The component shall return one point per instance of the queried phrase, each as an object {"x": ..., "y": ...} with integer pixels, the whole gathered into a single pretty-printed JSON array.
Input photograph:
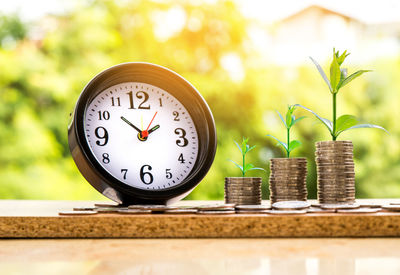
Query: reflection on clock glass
[{"x": 141, "y": 135}]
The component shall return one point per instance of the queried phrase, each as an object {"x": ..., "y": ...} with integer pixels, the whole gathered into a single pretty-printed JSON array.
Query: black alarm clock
[{"x": 141, "y": 134}]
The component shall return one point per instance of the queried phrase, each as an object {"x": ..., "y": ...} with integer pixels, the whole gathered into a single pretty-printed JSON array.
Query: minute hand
[{"x": 130, "y": 124}]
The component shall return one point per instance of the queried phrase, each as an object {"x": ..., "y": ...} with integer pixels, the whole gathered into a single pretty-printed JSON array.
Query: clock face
[{"x": 141, "y": 135}]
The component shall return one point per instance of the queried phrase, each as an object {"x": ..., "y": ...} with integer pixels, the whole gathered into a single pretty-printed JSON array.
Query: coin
[
  {"x": 359, "y": 210},
  {"x": 340, "y": 206},
  {"x": 107, "y": 209},
  {"x": 286, "y": 212},
  {"x": 76, "y": 213},
  {"x": 154, "y": 207},
  {"x": 319, "y": 210},
  {"x": 84, "y": 208},
  {"x": 370, "y": 205},
  {"x": 252, "y": 211},
  {"x": 391, "y": 207},
  {"x": 181, "y": 211},
  {"x": 253, "y": 207},
  {"x": 210, "y": 212},
  {"x": 134, "y": 211},
  {"x": 228, "y": 206},
  {"x": 291, "y": 205}
]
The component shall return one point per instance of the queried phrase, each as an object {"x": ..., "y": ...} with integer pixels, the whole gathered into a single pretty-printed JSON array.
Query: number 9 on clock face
[{"x": 142, "y": 135}]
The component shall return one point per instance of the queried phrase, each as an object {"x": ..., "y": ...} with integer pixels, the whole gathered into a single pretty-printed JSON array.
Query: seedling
[
  {"x": 289, "y": 122},
  {"x": 244, "y": 149},
  {"x": 339, "y": 79}
]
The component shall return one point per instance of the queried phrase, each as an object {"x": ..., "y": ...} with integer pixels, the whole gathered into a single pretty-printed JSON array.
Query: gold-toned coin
[
  {"x": 134, "y": 211},
  {"x": 361, "y": 210},
  {"x": 77, "y": 213}
]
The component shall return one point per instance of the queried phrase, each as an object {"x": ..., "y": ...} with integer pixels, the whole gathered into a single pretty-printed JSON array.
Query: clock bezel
[{"x": 178, "y": 87}]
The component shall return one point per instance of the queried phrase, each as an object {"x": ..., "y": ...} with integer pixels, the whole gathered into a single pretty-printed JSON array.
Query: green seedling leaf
[
  {"x": 351, "y": 77},
  {"x": 248, "y": 167},
  {"x": 341, "y": 58},
  {"x": 293, "y": 145},
  {"x": 325, "y": 121},
  {"x": 284, "y": 145},
  {"x": 251, "y": 148},
  {"x": 343, "y": 75},
  {"x": 367, "y": 126},
  {"x": 335, "y": 74},
  {"x": 345, "y": 122},
  {"x": 238, "y": 146},
  {"x": 284, "y": 122},
  {"x": 237, "y": 165},
  {"x": 289, "y": 116},
  {"x": 256, "y": 168},
  {"x": 244, "y": 145},
  {"x": 297, "y": 120},
  {"x": 322, "y": 73},
  {"x": 288, "y": 119}
]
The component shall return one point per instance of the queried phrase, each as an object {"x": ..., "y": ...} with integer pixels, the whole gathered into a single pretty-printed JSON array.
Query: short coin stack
[
  {"x": 335, "y": 168},
  {"x": 242, "y": 191},
  {"x": 287, "y": 181}
]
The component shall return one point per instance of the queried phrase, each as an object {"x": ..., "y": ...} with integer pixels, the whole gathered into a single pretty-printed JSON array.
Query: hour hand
[
  {"x": 130, "y": 124},
  {"x": 153, "y": 129}
]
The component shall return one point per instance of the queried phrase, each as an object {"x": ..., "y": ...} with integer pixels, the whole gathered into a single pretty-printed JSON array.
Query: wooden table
[{"x": 40, "y": 219}]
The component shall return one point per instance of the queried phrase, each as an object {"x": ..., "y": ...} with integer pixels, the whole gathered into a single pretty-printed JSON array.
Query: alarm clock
[{"x": 141, "y": 134}]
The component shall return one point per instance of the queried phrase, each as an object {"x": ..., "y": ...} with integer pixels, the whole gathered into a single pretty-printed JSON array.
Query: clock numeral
[
  {"x": 123, "y": 172},
  {"x": 160, "y": 101},
  {"x": 176, "y": 114},
  {"x": 101, "y": 135},
  {"x": 116, "y": 102},
  {"x": 182, "y": 141},
  {"x": 168, "y": 173},
  {"x": 148, "y": 174},
  {"x": 104, "y": 115},
  {"x": 106, "y": 158},
  {"x": 139, "y": 95},
  {"x": 181, "y": 159}
]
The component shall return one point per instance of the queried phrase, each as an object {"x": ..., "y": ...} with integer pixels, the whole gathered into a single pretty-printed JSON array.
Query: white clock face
[{"x": 141, "y": 135}]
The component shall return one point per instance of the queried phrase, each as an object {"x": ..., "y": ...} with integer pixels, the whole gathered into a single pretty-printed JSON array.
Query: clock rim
[{"x": 163, "y": 78}]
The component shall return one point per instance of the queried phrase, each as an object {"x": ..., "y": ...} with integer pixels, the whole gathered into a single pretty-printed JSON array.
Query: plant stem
[
  {"x": 288, "y": 141},
  {"x": 243, "y": 172},
  {"x": 334, "y": 117}
]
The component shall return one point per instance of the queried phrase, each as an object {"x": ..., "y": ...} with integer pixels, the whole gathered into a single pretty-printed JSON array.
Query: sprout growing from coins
[
  {"x": 339, "y": 79},
  {"x": 244, "y": 149},
  {"x": 289, "y": 121}
]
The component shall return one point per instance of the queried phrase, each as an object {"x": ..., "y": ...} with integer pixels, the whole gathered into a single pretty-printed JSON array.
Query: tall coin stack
[
  {"x": 287, "y": 181},
  {"x": 335, "y": 168},
  {"x": 243, "y": 191}
]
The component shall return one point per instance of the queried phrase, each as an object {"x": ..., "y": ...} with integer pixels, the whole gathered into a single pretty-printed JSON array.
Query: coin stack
[
  {"x": 335, "y": 168},
  {"x": 243, "y": 191},
  {"x": 287, "y": 181}
]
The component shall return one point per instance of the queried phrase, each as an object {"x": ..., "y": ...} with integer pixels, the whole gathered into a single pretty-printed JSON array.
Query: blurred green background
[{"x": 246, "y": 64}]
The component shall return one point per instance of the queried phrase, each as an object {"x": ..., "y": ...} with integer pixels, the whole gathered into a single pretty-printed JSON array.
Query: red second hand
[{"x": 145, "y": 133}]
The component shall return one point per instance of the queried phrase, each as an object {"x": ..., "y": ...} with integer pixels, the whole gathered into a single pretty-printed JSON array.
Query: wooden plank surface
[{"x": 40, "y": 219}]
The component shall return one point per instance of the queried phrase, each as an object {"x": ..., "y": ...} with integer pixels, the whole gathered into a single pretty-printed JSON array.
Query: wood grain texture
[{"x": 40, "y": 219}]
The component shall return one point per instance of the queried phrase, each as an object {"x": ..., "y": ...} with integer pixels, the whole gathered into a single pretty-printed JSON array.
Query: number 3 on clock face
[{"x": 141, "y": 135}]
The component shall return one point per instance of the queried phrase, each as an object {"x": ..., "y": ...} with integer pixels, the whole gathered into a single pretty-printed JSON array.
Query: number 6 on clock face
[{"x": 142, "y": 135}]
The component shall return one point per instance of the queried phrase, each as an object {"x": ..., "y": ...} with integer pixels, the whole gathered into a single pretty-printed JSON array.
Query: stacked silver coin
[
  {"x": 243, "y": 191},
  {"x": 287, "y": 181},
  {"x": 335, "y": 168}
]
